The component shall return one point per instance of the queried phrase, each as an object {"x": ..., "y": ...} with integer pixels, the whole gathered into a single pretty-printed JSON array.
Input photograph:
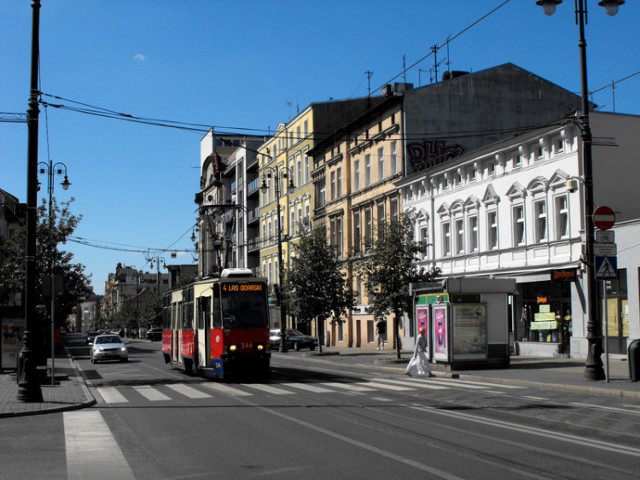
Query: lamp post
[
  {"x": 51, "y": 169},
  {"x": 27, "y": 374},
  {"x": 593, "y": 366},
  {"x": 278, "y": 173}
]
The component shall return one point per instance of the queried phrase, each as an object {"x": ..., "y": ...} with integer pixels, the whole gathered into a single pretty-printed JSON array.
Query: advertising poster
[
  {"x": 11, "y": 342},
  {"x": 469, "y": 322},
  {"x": 422, "y": 321},
  {"x": 440, "y": 333}
]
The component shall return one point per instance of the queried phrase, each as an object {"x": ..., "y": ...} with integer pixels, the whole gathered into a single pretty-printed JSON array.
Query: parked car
[
  {"x": 109, "y": 347},
  {"x": 91, "y": 336},
  {"x": 294, "y": 338},
  {"x": 155, "y": 334}
]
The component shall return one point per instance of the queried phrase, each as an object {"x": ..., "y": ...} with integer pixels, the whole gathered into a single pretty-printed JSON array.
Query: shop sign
[
  {"x": 544, "y": 317},
  {"x": 564, "y": 275},
  {"x": 544, "y": 325},
  {"x": 542, "y": 299}
]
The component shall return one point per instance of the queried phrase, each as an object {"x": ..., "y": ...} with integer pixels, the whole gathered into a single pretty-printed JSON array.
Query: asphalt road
[{"x": 318, "y": 420}]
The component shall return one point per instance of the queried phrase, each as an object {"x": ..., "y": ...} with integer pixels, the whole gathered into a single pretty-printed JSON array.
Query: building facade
[
  {"x": 507, "y": 210},
  {"x": 413, "y": 131}
]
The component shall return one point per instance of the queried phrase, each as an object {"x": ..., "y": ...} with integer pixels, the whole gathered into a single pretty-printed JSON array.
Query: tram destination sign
[{"x": 249, "y": 287}]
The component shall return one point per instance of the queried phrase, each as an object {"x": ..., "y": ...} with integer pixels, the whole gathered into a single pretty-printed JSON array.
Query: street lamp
[
  {"x": 52, "y": 169},
  {"x": 593, "y": 366},
  {"x": 278, "y": 173}
]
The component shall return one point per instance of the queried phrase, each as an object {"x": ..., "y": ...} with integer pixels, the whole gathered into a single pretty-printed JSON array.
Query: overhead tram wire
[
  {"x": 202, "y": 128},
  {"x": 108, "y": 113}
]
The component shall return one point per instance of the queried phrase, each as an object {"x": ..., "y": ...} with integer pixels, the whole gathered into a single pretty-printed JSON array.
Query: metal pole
[
  {"x": 605, "y": 313},
  {"x": 593, "y": 366},
  {"x": 27, "y": 375},
  {"x": 283, "y": 308},
  {"x": 51, "y": 275}
]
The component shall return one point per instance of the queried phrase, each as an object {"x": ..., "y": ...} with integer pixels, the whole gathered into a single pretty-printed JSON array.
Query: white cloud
[{"x": 139, "y": 57}]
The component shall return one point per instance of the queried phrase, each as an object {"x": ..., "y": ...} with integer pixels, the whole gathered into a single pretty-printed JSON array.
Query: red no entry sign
[{"x": 604, "y": 218}]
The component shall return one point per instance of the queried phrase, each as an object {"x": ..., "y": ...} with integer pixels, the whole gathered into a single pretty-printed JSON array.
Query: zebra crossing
[{"x": 180, "y": 391}]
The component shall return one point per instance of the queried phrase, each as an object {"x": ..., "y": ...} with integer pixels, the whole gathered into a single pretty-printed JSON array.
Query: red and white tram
[{"x": 218, "y": 324}]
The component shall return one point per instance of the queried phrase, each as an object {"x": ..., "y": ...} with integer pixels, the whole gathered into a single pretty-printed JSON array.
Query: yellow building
[
  {"x": 287, "y": 190},
  {"x": 354, "y": 171}
]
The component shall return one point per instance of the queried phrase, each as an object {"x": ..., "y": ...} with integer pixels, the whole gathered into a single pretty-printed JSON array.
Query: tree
[
  {"x": 390, "y": 268},
  {"x": 50, "y": 234},
  {"x": 316, "y": 287}
]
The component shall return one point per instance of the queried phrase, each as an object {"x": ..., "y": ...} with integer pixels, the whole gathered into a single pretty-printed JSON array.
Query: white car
[{"x": 109, "y": 347}]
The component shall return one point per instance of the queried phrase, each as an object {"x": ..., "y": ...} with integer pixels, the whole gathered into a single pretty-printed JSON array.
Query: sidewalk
[
  {"x": 567, "y": 374},
  {"x": 70, "y": 391}
]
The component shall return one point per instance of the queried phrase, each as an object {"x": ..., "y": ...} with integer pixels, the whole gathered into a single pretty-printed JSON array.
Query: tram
[{"x": 217, "y": 325}]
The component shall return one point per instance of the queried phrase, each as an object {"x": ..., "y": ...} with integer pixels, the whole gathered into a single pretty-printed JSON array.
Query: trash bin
[{"x": 634, "y": 360}]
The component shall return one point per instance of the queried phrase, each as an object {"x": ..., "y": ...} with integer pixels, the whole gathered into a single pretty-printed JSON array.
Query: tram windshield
[{"x": 244, "y": 305}]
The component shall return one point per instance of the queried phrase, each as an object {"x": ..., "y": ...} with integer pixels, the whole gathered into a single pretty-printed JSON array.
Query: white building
[{"x": 505, "y": 211}]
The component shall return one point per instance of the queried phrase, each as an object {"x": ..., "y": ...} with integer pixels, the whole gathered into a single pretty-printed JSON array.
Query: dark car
[
  {"x": 295, "y": 340},
  {"x": 91, "y": 336},
  {"x": 155, "y": 334}
]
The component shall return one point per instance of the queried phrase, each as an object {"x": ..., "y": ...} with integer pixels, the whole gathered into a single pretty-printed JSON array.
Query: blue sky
[{"x": 248, "y": 64}]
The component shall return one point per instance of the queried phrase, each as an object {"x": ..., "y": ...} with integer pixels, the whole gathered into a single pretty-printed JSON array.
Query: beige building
[
  {"x": 287, "y": 190},
  {"x": 353, "y": 174}
]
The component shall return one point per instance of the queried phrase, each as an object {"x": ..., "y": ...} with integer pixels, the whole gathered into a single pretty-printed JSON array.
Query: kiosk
[{"x": 466, "y": 321}]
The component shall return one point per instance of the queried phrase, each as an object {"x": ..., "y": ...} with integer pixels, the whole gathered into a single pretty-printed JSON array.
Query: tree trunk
[{"x": 396, "y": 333}]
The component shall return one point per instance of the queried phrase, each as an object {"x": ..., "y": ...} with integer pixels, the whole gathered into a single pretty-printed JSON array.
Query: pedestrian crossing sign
[{"x": 606, "y": 268}]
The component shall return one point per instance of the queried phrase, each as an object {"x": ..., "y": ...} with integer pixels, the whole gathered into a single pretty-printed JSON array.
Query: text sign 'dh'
[{"x": 604, "y": 218}]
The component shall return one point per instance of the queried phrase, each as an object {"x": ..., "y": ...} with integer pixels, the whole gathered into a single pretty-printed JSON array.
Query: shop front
[{"x": 544, "y": 328}]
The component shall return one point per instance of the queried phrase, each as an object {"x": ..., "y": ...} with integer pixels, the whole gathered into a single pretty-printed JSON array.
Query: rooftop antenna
[
  {"x": 404, "y": 68},
  {"x": 369, "y": 75},
  {"x": 434, "y": 49}
]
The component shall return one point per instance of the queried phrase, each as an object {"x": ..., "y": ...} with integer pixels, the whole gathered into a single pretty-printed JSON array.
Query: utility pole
[{"x": 27, "y": 375}]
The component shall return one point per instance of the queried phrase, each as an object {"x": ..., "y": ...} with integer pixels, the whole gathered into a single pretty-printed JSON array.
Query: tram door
[
  {"x": 176, "y": 322},
  {"x": 204, "y": 324}
]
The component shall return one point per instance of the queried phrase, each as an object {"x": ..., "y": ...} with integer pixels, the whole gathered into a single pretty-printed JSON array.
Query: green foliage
[
  {"x": 316, "y": 286},
  {"x": 390, "y": 268},
  {"x": 51, "y": 233}
]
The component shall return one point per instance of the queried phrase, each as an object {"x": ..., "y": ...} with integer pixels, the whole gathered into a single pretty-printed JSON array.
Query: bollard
[{"x": 634, "y": 360}]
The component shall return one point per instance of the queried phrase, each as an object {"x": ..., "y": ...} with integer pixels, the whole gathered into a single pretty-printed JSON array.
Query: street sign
[
  {"x": 605, "y": 236},
  {"x": 604, "y": 218},
  {"x": 606, "y": 268},
  {"x": 605, "y": 249}
]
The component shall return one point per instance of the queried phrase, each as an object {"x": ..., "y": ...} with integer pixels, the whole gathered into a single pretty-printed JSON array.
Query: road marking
[
  {"x": 188, "y": 391},
  {"x": 541, "y": 432},
  {"x": 462, "y": 384},
  {"x": 227, "y": 390},
  {"x": 268, "y": 389},
  {"x": 308, "y": 387},
  {"x": 476, "y": 384},
  {"x": 91, "y": 450},
  {"x": 379, "y": 452},
  {"x": 609, "y": 409},
  {"x": 111, "y": 395},
  {"x": 151, "y": 393},
  {"x": 395, "y": 388},
  {"x": 349, "y": 386},
  {"x": 415, "y": 384}
]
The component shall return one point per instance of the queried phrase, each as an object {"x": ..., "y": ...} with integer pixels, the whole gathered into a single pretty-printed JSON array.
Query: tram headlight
[
  {"x": 233, "y": 348},
  {"x": 259, "y": 347}
]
